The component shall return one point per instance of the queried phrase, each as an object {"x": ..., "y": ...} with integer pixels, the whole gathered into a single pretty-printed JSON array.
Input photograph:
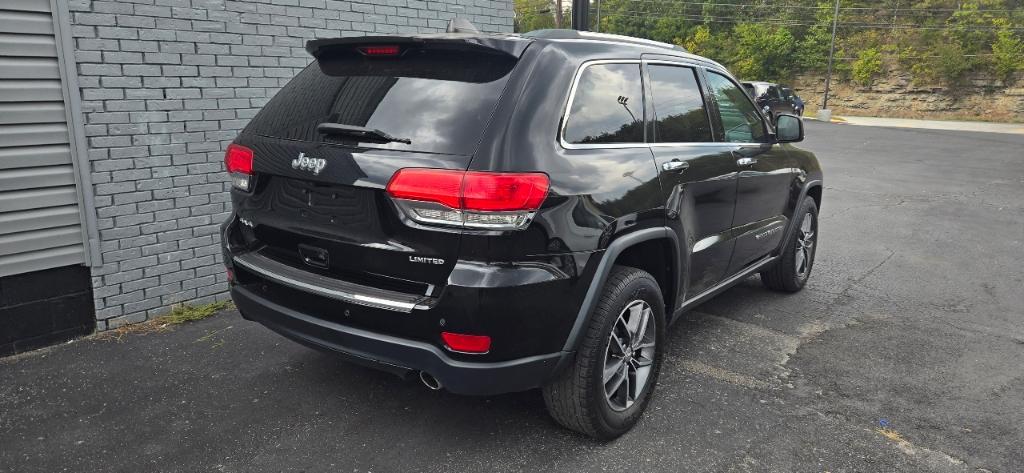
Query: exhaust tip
[{"x": 430, "y": 381}]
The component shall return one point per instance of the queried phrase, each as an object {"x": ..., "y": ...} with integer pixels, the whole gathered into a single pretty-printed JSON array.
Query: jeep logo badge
[{"x": 306, "y": 163}]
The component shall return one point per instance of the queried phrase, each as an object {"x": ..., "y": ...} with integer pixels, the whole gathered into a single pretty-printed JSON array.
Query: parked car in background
[
  {"x": 774, "y": 98},
  {"x": 496, "y": 213},
  {"x": 798, "y": 103}
]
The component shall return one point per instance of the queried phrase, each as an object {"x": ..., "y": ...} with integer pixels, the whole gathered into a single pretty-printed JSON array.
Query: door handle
[
  {"x": 746, "y": 161},
  {"x": 675, "y": 165}
]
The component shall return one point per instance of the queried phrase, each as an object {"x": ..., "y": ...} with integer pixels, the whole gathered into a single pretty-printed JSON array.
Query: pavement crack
[{"x": 873, "y": 269}]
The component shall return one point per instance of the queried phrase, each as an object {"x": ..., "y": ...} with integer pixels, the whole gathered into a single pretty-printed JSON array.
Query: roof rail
[{"x": 574, "y": 34}]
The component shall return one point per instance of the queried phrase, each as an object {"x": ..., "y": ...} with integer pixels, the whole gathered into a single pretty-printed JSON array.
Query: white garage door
[{"x": 40, "y": 203}]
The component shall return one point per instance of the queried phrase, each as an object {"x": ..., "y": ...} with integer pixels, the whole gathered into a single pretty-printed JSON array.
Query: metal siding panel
[
  {"x": 28, "y": 68},
  {"x": 39, "y": 260},
  {"x": 25, "y": 221},
  {"x": 25, "y": 22},
  {"x": 30, "y": 91},
  {"x": 27, "y": 5},
  {"x": 28, "y": 45},
  {"x": 35, "y": 178},
  {"x": 26, "y": 242},
  {"x": 31, "y": 135},
  {"x": 40, "y": 217},
  {"x": 31, "y": 112},
  {"x": 38, "y": 198},
  {"x": 33, "y": 156}
]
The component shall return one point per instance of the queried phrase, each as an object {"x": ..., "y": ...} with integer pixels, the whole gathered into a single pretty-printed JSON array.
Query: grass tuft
[
  {"x": 181, "y": 313},
  {"x": 187, "y": 313}
]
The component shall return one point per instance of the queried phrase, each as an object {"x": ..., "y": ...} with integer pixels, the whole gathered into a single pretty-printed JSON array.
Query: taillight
[
  {"x": 472, "y": 199},
  {"x": 384, "y": 50},
  {"x": 238, "y": 162},
  {"x": 463, "y": 343}
]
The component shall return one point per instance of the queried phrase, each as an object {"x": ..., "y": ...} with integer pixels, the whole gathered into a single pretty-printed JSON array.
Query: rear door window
[
  {"x": 608, "y": 106},
  {"x": 680, "y": 115},
  {"x": 440, "y": 101}
]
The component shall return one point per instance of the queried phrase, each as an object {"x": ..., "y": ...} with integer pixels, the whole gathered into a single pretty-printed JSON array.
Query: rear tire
[
  {"x": 791, "y": 272},
  {"x": 594, "y": 395}
]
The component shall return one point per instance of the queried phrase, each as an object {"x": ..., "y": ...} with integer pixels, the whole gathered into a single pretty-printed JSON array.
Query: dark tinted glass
[
  {"x": 439, "y": 100},
  {"x": 608, "y": 106},
  {"x": 680, "y": 116},
  {"x": 740, "y": 121}
]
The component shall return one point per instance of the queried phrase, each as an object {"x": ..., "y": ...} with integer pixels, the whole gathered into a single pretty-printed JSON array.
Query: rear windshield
[{"x": 437, "y": 101}]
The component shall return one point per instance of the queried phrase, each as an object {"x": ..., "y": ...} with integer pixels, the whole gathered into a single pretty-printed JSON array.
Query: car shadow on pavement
[{"x": 694, "y": 348}]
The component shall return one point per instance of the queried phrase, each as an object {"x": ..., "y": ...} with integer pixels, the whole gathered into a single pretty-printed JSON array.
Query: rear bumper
[{"x": 399, "y": 355}]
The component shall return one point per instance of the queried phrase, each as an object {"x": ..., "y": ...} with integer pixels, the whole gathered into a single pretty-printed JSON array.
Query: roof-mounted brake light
[{"x": 380, "y": 50}]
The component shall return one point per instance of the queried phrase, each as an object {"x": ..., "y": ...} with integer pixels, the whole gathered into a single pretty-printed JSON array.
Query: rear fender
[
  {"x": 604, "y": 268},
  {"x": 791, "y": 226}
]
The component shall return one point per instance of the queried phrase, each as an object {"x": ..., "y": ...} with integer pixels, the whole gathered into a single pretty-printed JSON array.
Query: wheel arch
[
  {"x": 814, "y": 191},
  {"x": 811, "y": 189},
  {"x": 640, "y": 249}
]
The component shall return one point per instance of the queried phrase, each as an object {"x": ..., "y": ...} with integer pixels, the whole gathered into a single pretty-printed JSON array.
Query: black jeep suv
[{"x": 495, "y": 213}]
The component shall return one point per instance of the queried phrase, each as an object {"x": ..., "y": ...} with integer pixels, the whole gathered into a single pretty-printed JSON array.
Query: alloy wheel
[
  {"x": 629, "y": 356},
  {"x": 805, "y": 245}
]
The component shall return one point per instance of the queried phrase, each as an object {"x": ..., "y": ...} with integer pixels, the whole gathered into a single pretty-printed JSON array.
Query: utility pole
[
  {"x": 558, "y": 13},
  {"x": 825, "y": 114},
  {"x": 581, "y": 15},
  {"x": 895, "y": 12}
]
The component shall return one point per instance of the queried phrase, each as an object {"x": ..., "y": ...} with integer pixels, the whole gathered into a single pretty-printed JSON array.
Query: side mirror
[{"x": 789, "y": 128}]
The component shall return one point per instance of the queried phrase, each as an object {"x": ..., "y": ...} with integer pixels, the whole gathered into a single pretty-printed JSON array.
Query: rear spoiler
[{"x": 509, "y": 45}]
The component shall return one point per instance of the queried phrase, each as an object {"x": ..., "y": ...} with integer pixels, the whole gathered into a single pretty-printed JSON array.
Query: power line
[
  {"x": 697, "y": 18},
  {"x": 822, "y": 7}
]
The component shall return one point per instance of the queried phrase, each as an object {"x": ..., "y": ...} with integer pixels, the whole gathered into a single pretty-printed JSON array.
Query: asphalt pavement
[{"x": 904, "y": 353}]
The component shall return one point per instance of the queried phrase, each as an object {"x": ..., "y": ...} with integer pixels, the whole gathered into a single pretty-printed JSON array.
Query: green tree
[
  {"x": 867, "y": 66},
  {"x": 533, "y": 15},
  {"x": 703, "y": 42},
  {"x": 944, "y": 63},
  {"x": 762, "y": 52},
  {"x": 1007, "y": 54},
  {"x": 670, "y": 30},
  {"x": 812, "y": 50}
]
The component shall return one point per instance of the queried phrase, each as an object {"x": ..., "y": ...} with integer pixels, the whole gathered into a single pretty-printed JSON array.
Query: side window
[
  {"x": 740, "y": 121},
  {"x": 608, "y": 106},
  {"x": 678, "y": 106}
]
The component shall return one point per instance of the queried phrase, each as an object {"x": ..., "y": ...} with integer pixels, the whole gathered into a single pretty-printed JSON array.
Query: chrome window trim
[
  {"x": 769, "y": 130},
  {"x": 707, "y": 111},
  {"x": 572, "y": 96},
  {"x": 642, "y": 62}
]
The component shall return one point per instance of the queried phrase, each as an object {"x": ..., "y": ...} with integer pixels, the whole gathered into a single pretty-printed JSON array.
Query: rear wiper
[{"x": 371, "y": 134}]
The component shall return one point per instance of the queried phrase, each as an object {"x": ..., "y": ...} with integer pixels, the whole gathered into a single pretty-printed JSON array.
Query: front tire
[
  {"x": 609, "y": 383},
  {"x": 791, "y": 272}
]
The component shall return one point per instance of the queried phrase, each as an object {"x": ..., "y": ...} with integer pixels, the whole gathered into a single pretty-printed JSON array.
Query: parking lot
[{"x": 905, "y": 353}]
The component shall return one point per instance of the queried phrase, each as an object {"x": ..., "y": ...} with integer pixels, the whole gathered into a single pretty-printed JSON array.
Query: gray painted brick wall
[{"x": 166, "y": 85}]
